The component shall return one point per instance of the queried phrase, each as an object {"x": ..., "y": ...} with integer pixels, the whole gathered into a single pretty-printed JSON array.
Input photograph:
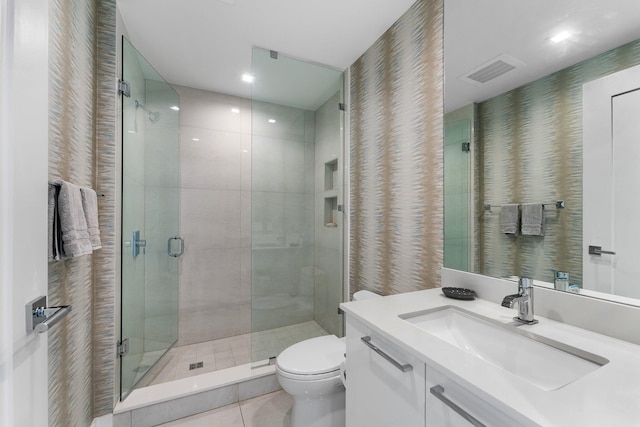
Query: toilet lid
[{"x": 313, "y": 356}]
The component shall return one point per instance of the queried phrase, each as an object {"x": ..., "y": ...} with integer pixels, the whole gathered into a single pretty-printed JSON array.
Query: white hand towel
[
  {"x": 73, "y": 224},
  {"x": 90, "y": 207},
  {"x": 533, "y": 219},
  {"x": 510, "y": 219}
]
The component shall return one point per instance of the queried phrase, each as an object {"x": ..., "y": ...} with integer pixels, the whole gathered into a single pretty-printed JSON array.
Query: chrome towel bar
[
  {"x": 558, "y": 204},
  {"x": 40, "y": 318}
]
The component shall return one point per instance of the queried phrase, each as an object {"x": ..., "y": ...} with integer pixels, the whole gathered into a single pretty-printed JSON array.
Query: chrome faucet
[{"x": 524, "y": 301}]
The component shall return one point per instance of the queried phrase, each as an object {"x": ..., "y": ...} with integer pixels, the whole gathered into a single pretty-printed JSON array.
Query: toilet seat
[
  {"x": 307, "y": 377},
  {"x": 312, "y": 359}
]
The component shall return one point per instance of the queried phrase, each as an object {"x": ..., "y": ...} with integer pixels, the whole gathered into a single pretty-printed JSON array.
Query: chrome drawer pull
[
  {"x": 438, "y": 391},
  {"x": 404, "y": 368}
]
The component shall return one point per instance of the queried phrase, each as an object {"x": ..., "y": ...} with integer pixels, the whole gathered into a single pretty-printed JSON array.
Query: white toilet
[{"x": 310, "y": 372}]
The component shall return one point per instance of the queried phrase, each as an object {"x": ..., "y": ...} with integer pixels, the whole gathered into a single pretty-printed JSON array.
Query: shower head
[{"x": 153, "y": 116}]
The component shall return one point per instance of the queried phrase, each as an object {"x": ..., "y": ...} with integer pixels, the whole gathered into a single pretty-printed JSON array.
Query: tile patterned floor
[
  {"x": 233, "y": 351},
  {"x": 270, "y": 343},
  {"x": 270, "y": 410}
]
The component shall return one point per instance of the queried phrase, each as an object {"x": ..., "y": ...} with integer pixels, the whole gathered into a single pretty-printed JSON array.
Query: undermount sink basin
[{"x": 543, "y": 362}]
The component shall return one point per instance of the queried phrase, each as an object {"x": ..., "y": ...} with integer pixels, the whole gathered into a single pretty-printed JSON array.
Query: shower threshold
[
  {"x": 178, "y": 391},
  {"x": 169, "y": 401}
]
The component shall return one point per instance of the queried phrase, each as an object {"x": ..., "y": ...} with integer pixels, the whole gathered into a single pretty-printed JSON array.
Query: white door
[
  {"x": 23, "y": 208},
  {"x": 611, "y": 176}
]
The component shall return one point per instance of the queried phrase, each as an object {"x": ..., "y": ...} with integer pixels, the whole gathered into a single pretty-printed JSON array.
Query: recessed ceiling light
[
  {"x": 563, "y": 35},
  {"x": 175, "y": 108},
  {"x": 248, "y": 78},
  {"x": 272, "y": 120},
  {"x": 235, "y": 110},
  {"x": 245, "y": 151},
  {"x": 195, "y": 139}
]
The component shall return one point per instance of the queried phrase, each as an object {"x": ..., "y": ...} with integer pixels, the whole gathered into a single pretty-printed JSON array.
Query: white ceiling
[{"x": 207, "y": 44}]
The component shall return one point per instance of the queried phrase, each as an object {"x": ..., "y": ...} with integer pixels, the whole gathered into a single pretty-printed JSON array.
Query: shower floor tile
[{"x": 233, "y": 351}]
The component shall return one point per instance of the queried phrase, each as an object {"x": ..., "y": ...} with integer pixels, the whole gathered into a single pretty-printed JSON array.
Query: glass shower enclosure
[
  {"x": 238, "y": 301},
  {"x": 150, "y": 218},
  {"x": 296, "y": 202}
]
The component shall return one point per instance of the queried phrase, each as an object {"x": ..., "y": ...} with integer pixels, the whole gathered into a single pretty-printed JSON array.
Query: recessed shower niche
[
  {"x": 331, "y": 184},
  {"x": 331, "y": 175}
]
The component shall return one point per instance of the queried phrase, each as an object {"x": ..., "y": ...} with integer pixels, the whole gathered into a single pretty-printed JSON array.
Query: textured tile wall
[
  {"x": 396, "y": 201},
  {"x": 530, "y": 150},
  {"x": 72, "y": 158},
  {"x": 79, "y": 139}
]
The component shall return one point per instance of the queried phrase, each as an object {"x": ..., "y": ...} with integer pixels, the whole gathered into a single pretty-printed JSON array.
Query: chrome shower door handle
[
  {"x": 136, "y": 244},
  {"x": 170, "y": 246}
]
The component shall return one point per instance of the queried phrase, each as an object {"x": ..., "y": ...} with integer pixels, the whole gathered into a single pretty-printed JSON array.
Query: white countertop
[{"x": 608, "y": 396}]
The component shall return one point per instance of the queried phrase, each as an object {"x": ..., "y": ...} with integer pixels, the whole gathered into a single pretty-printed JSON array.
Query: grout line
[{"x": 244, "y": 423}]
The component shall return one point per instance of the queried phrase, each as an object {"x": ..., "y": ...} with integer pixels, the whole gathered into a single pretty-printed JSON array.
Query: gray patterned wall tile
[
  {"x": 81, "y": 150},
  {"x": 396, "y": 202}
]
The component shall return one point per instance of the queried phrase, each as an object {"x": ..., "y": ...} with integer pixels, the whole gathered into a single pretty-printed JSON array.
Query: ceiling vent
[{"x": 490, "y": 70}]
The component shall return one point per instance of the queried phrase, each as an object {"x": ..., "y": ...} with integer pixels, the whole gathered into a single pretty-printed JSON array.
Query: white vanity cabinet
[
  {"x": 387, "y": 386},
  {"x": 470, "y": 364},
  {"x": 382, "y": 390}
]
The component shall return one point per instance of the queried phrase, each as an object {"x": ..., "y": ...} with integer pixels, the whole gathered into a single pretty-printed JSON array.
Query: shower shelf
[
  {"x": 331, "y": 213},
  {"x": 331, "y": 175}
]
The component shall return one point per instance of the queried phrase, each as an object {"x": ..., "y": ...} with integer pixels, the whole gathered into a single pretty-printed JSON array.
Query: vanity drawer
[{"x": 451, "y": 405}]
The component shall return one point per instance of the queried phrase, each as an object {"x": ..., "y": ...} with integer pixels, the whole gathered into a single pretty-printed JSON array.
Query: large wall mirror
[{"x": 514, "y": 76}]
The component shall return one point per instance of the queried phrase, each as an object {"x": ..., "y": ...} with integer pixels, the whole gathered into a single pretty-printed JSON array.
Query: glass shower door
[
  {"x": 150, "y": 218},
  {"x": 457, "y": 190},
  {"x": 296, "y": 203}
]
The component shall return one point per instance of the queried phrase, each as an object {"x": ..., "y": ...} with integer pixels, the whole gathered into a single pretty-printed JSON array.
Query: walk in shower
[{"x": 239, "y": 252}]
